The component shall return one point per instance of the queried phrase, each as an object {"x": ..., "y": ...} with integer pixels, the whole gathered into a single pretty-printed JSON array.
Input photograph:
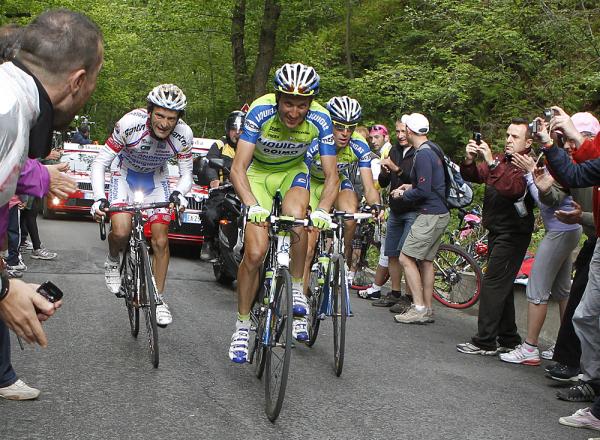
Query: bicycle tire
[
  {"x": 458, "y": 277},
  {"x": 256, "y": 351},
  {"x": 128, "y": 285},
  {"x": 148, "y": 303},
  {"x": 279, "y": 349},
  {"x": 339, "y": 311},
  {"x": 314, "y": 302}
]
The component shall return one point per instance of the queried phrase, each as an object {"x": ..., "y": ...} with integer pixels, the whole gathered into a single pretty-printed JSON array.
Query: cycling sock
[{"x": 297, "y": 284}]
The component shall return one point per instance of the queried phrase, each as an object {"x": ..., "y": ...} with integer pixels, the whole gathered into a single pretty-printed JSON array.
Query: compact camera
[
  {"x": 477, "y": 137},
  {"x": 534, "y": 127},
  {"x": 521, "y": 208},
  {"x": 50, "y": 291}
]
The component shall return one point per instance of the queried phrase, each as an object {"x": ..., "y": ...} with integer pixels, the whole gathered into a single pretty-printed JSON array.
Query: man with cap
[{"x": 427, "y": 191}]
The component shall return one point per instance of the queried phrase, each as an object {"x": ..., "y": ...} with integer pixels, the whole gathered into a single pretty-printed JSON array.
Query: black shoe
[
  {"x": 582, "y": 392},
  {"x": 563, "y": 373},
  {"x": 387, "y": 301},
  {"x": 402, "y": 305}
]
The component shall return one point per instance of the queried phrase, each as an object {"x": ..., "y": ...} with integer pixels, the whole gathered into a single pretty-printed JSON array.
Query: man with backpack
[
  {"x": 508, "y": 216},
  {"x": 427, "y": 191}
]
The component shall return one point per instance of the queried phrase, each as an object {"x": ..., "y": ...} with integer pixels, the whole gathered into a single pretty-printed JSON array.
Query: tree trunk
[
  {"x": 240, "y": 67},
  {"x": 266, "y": 46},
  {"x": 347, "y": 42}
]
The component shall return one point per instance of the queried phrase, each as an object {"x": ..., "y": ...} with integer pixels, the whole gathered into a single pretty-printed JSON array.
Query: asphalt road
[{"x": 399, "y": 381}]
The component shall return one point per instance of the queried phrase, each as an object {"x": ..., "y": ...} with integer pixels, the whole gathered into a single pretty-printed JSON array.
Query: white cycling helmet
[
  {"x": 168, "y": 96},
  {"x": 296, "y": 79},
  {"x": 344, "y": 109}
]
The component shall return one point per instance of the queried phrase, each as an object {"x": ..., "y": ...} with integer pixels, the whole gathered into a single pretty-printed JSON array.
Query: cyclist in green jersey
[
  {"x": 270, "y": 153},
  {"x": 351, "y": 147}
]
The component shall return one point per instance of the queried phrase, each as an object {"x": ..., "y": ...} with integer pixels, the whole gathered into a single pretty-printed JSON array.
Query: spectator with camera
[
  {"x": 567, "y": 350},
  {"x": 586, "y": 319},
  {"x": 427, "y": 191},
  {"x": 39, "y": 74},
  {"x": 508, "y": 216}
]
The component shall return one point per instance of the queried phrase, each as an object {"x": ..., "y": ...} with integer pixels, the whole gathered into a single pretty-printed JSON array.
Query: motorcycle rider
[{"x": 223, "y": 148}]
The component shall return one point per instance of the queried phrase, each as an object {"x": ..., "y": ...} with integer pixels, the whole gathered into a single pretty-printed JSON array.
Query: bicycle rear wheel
[
  {"x": 129, "y": 288},
  {"x": 339, "y": 311},
  {"x": 279, "y": 348},
  {"x": 457, "y": 277},
  {"x": 148, "y": 302}
]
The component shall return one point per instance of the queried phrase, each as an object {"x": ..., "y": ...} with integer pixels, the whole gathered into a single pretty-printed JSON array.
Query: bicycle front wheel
[
  {"x": 148, "y": 302},
  {"x": 339, "y": 288},
  {"x": 315, "y": 290},
  {"x": 457, "y": 277},
  {"x": 129, "y": 288},
  {"x": 279, "y": 348},
  {"x": 256, "y": 350}
]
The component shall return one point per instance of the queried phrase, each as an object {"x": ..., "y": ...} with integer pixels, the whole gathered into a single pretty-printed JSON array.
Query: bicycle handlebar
[{"x": 137, "y": 207}]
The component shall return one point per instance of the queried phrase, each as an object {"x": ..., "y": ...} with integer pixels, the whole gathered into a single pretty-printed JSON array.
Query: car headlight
[{"x": 55, "y": 201}]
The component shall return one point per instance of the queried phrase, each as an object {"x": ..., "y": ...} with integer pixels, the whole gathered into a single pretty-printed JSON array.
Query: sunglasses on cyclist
[{"x": 341, "y": 127}]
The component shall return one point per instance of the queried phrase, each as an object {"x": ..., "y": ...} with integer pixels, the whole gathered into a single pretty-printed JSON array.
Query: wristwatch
[
  {"x": 4, "y": 285},
  {"x": 494, "y": 164}
]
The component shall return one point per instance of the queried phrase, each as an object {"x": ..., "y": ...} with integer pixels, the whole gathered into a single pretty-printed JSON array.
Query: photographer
[{"x": 508, "y": 216}]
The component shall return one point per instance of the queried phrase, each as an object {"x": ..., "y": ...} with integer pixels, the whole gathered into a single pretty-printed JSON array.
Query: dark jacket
[
  {"x": 580, "y": 175},
  {"x": 398, "y": 205},
  {"x": 504, "y": 185},
  {"x": 428, "y": 181},
  {"x": 219, "y": 150}
]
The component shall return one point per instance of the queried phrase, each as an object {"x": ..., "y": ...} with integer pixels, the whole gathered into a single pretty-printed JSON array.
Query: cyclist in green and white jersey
[
  {"x": 270, "y": 153},
  {"x": 351, "y": 147}
]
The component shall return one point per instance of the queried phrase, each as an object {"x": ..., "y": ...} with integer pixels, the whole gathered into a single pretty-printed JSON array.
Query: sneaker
[
  {"x": 300, "y": 306},
  {"x": 401, "y": 306},
  {"x": 163, "y": 315},
  {"x": 469, "y": 348},
  {"x": 412, "y": 316},
  {"x": 112, "y": 277},
  {"x": 26, "y": 246},
  {"x": 238, "y": 350},
  {"x": 387, "y": 301},
  {"x": 521, "y": 355},
  {"x": 582, "y": 392},
  {"x": 430, "y": 315},
  {"x": 43, "y": 254},
  {"x": 549, "y": 353},
  {"x": 20, "y": 266},
  {"x": 299, "y": 331},
  {"x": 369, "y": 293},
  {"x": 19, "y": 391},
  {"x": 563, "y": 373},
  {"x": 583, "y": 418},
  {"x": 12, "y": 273}
]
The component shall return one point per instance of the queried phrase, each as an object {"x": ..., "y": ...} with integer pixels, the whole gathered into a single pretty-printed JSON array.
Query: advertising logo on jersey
[
  {"x": 328, "y": 140},
  {"x": 320, "y": 119},
  {"x": 281, "y": 148},
  {"x": 251, "y": 126}
]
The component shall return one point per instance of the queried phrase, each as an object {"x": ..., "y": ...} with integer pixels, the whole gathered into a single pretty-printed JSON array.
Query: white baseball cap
[
  {"x": 416, "y": 122},
  {"x": 586, "y": 122}
]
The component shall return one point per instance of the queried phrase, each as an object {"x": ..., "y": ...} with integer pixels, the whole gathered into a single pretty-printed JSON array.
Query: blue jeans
[
  {"x": 398, "y": 227},
  {"x": 7, "y": 374}
]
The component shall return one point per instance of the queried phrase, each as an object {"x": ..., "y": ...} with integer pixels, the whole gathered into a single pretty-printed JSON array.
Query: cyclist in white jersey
[{"x": 142, "y": 142}]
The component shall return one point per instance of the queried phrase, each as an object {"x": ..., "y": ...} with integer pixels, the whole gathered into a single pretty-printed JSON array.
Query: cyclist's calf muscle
[{"x": 119, "y": 233}]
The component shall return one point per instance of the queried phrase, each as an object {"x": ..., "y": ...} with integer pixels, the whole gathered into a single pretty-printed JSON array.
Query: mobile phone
[
  {"x": 50, "y": 291},
  {"x": 477, "y": 137}
]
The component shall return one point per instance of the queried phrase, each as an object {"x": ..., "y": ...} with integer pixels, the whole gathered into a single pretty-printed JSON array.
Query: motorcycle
[{"x": 227, "y": 244}]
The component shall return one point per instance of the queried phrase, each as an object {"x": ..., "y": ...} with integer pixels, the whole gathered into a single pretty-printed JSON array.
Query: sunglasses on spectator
[{"x": 341, "y": 127}]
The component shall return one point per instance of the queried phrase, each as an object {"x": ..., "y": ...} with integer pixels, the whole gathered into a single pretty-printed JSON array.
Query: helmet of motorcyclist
[{"x": 235, "y": 121}]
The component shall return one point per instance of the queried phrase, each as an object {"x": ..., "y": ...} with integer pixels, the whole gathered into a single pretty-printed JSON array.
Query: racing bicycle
[
  {"x": 328, "y": 288},
  {"x": 138, "y": 286},
  {"x": 272, "y": 313}
]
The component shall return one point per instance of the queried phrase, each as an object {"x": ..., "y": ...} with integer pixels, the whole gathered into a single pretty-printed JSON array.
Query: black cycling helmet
[{"x": 235, "y": 121}]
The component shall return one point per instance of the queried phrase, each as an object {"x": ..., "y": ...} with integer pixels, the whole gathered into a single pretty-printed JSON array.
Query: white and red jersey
[{"x": 137, "y": 150}]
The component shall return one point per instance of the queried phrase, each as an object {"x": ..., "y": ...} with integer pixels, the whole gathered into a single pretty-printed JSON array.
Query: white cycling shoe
[
  {"x": 238, "y": 350},
  {"x": 300, "y": 304},
  {"x": 300, "y": 330},
  {"x": 163, "y": 314},
  {"x": 112, "y": 277}
]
